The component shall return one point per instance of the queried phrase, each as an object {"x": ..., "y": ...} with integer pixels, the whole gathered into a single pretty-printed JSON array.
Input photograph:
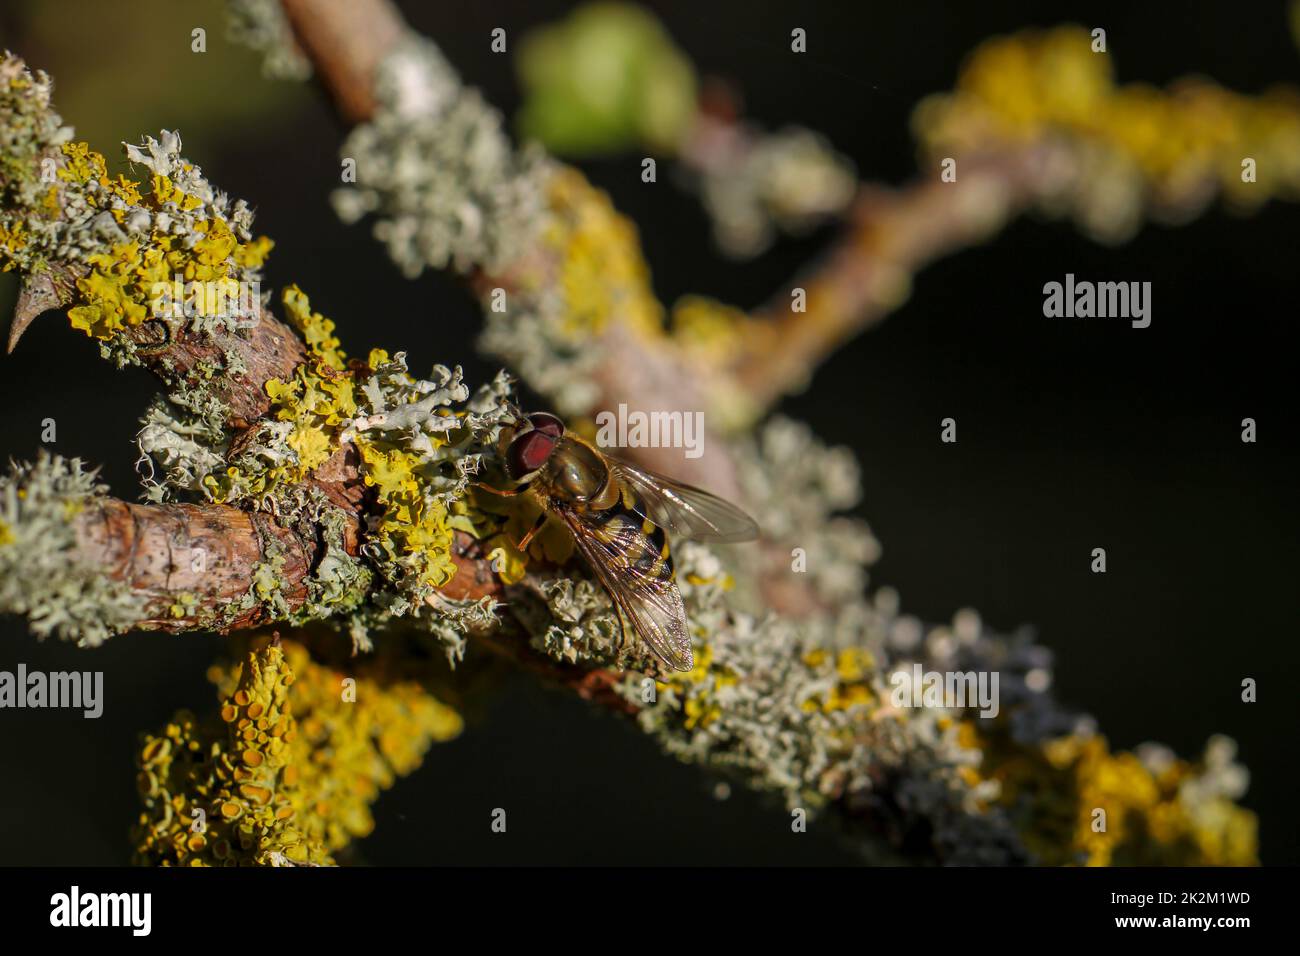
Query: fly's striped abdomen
[{"x": 641, "y": 545}]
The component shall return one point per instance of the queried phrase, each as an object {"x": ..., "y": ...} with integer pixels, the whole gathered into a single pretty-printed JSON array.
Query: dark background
[{"x": 1072, "y": 435}]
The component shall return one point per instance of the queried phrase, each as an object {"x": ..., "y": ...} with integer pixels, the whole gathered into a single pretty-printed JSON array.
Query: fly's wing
[
  {"x": 650, "y": 601},
  {"x": 684, "y": 511}
]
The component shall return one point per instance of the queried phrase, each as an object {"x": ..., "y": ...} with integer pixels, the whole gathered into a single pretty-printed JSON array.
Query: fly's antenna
[{"x": 517, "y": 412}]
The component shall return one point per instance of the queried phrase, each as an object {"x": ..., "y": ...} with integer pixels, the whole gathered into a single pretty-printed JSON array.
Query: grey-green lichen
[
  {"x": 268, "y": 576},
  {"x": 572, "y": 620},
  {"x": 776, "y": 703},
  {"x": 436, "y": 169},
  {"x": 450, "y": 622},
  {"x": 262, "y": 26},
  {"x": 29, "y": 131},
  {"x": 340, "y": 582},
  {"x": 40, "y": 577},
  {"x": 802, "y": 488},
  {"x": 782, "y": 182},
  {"x": 176, "y": 450}
]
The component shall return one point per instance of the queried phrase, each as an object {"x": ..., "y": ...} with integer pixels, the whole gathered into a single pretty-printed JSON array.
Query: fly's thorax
[{"x": 577, "y": 472}]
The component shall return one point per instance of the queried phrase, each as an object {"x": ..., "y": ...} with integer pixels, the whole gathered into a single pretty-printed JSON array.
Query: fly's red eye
[
  {"x": 547, "y": 424},
  {"x": 528, "y": 452}
]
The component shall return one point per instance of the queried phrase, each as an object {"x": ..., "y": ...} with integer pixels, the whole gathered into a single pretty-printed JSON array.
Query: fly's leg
[
  {"x": 537, "y": 526},
  {"x": 503, "y": 493},
  {"x": 621, "y": 643},
  {"x": 500, "y": 492}
]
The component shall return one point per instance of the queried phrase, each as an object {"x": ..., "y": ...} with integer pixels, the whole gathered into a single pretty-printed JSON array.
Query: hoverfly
[{"x": 618, "y": 515}]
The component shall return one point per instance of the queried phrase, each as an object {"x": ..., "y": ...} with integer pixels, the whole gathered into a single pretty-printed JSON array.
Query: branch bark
[
  {"x": 346, "y": 40},
  {"x": 892, "y": 234}
]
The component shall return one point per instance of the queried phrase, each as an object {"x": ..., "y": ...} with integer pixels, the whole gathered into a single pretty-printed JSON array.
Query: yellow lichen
[
  {"x": 12, "y": 239},
  {"x": 184, "y": 605},
  {"x": 83, "y": 165},
  {"x": 123, "y": 282},
  {"x": 414, "y": 532},
  {"x": 699, "y": 687},
  {"x": 205, "y": 803},
  {"x": 353, "y": 745},
  {"x": 603, "y": 275},
  {"x": 319, "y": 398},
  {"x": 1041, "y": 84},
  {"x": 317, "y": 331},
  {"x": 852, "y": 668},
  {"x": 707, "y": 328},
  {"x": 165, "y": 191},
  {"x": 1056, "y": 791},
  {"x": 288, "y": 769}
]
